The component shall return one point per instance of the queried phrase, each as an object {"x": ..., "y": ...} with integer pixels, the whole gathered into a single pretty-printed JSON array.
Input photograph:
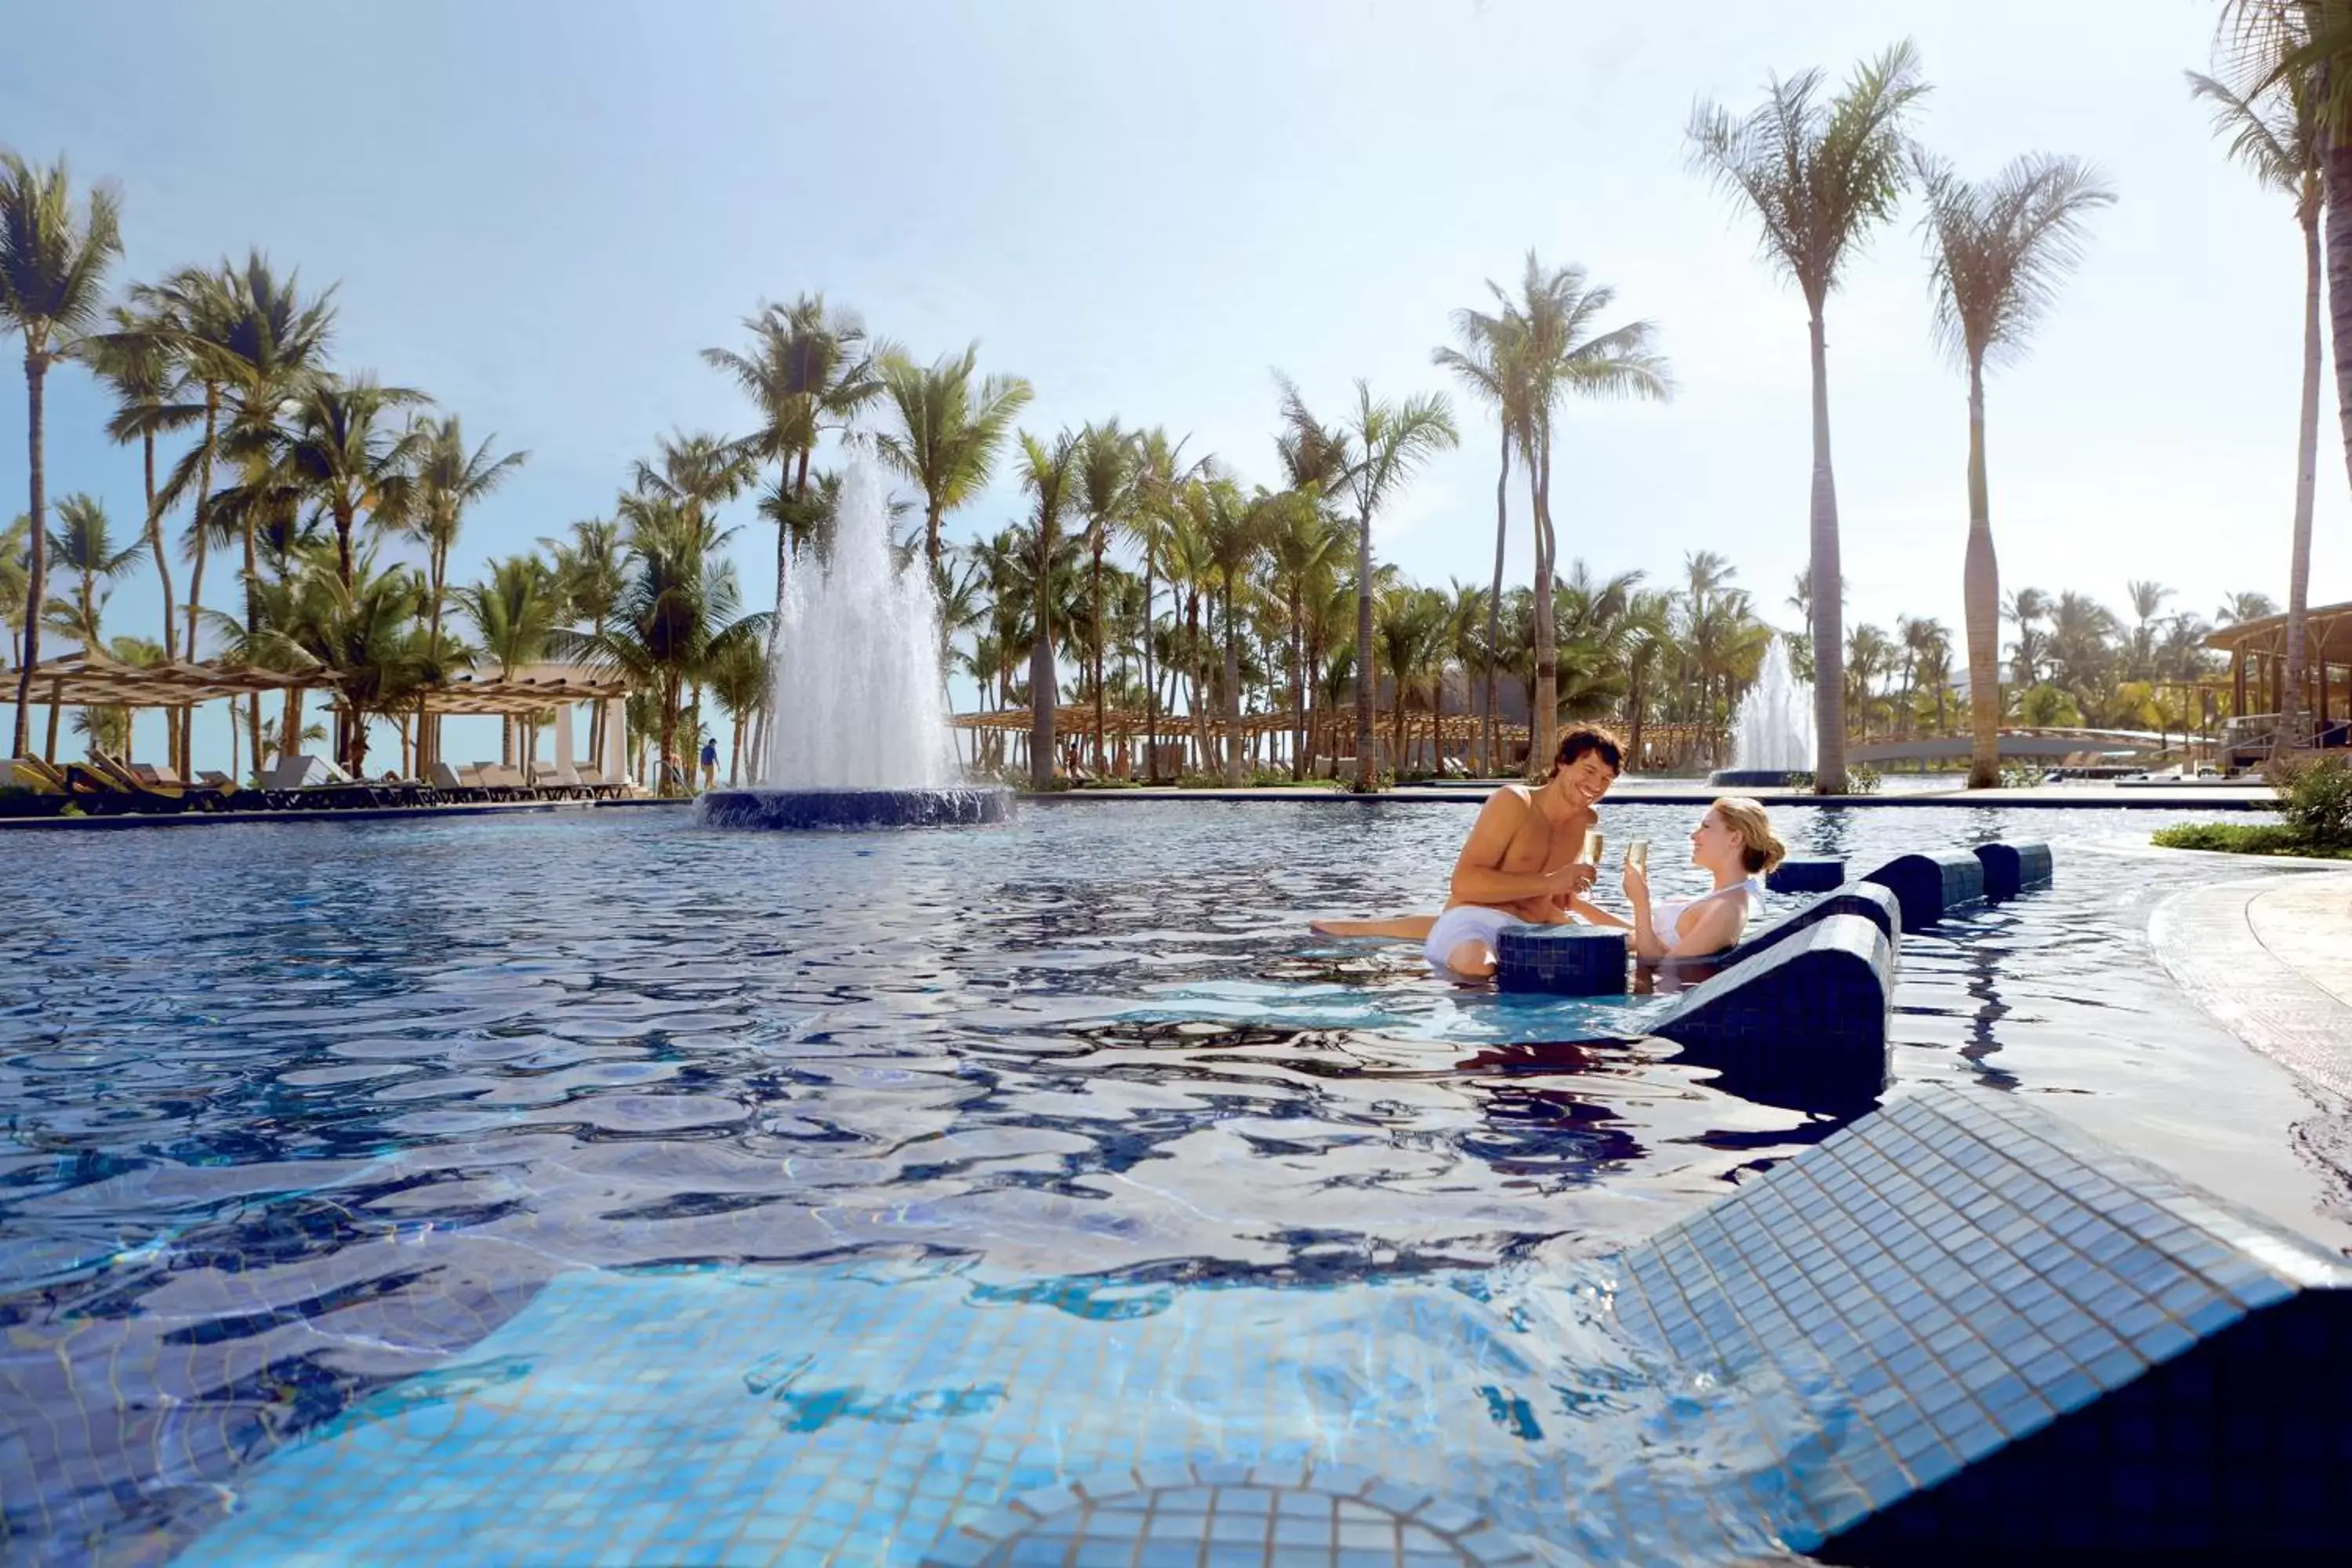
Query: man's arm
[{"x": 1478, "y": 876}]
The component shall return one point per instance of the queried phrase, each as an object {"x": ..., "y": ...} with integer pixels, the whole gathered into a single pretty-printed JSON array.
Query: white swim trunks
[{"x": 1465, "y": 922}]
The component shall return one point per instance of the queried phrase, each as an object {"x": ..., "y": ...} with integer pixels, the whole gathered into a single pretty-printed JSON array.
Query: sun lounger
[
  {"x": 594, "y": 782},
  {"x": 143, "y": 795},
  {"x": 31, "y": 773}
]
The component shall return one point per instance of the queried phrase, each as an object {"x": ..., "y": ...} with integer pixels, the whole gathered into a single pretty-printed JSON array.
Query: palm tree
[
  {"x": 2276, "y": 133},
  {"x": 739, "y": 683},
  {"x": 1161, "y": 473},
  {"x": 338, "y": 445},
  {"x": 515, "y": 610},
  {"x": 15, "y": 548},
  {"x": 83, "y": 544},
  {"x": 1303, "y": 546},
  {"x": 1374, "y": 453},
  {"x": 2236, "y": 608},
  {"x": 1491, "y": 362},
  {"x": 52, "y": 267},
  {"x": 2000, "y": 248},
  {"x": 1411, "y": 643},
  {"x": 1821, "y": 176},
  {"x": 1050, "y": 476},
  {"x": 1554, "y": 315},
  {"x": 248, "y": 340},
  {"x": 948, "y": 430},
  {"x": 448, "y": 479},
  {"x": 1236, "y": 528},
  {"x": 2304, "y": 48},
  {"x": 359, "y": 632},
  {"x": 591, "y": 570},
  {"x": 1106, "y": 463},
  {"x": 2147, "y": 599},
  {"x": 136, "y": 362},
  {"x": 677, "y": 616}
]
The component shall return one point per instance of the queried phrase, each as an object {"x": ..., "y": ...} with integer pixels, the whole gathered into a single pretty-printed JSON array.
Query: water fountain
[
  {"x": 860, "y": 736},
  {"x": 1772, "y": 733}
]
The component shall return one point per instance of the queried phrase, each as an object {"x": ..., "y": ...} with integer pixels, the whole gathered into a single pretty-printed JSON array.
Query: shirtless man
[{"x": 1520, "y": 864}]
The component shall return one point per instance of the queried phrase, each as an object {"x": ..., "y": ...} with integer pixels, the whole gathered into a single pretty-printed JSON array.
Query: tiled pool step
[{"x": 2015, "y": 1341}]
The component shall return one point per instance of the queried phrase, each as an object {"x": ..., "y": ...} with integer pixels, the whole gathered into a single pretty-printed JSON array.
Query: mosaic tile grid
[
  {"x": 1233, "y": 1516},
  {"x": 1933, "y": 885},
  {"x": 1805, "y": 875},
  {"x": 807, "y": 1415},
  {"x": 1565, "y": 961},
  {"x": 1946, "y": 1278}
]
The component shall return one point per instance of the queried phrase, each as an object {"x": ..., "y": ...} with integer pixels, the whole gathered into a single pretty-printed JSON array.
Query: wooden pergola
[
  {"x": 2257, "y": 651},
  {"x": 523, "y": 693},
  {"x": 88, "y": 679}
]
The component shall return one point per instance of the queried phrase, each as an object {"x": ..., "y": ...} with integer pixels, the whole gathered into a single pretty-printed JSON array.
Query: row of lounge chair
[{"x": 107, "y": 787}]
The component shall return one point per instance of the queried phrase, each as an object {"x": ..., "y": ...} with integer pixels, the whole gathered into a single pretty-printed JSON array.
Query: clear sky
[{"x": 539, "y": 213}]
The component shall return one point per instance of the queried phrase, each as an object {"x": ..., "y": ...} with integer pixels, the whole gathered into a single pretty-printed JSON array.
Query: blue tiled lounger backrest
[
  {"x": 1871, "y": 902},
  {"x": 2013, "y": 869},
  {"x": 1803, "y": 1022},
  {"x": 1931, "y": 886},
  {"x": 2016, "y": 1343}
]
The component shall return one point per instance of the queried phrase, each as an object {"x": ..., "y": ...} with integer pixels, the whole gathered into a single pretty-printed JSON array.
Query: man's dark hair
[{"x": 1582, "y": 738}]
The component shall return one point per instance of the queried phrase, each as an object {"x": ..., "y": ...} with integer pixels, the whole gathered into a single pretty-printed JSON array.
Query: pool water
[{"x": 310, "y": 1129}]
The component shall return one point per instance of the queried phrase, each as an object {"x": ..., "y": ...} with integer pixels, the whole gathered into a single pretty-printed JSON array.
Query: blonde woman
[{"x": 1735, "y": 845}]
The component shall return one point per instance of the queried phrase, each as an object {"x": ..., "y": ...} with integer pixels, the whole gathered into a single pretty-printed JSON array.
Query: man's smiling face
[{"x": 1588, "y": 778}]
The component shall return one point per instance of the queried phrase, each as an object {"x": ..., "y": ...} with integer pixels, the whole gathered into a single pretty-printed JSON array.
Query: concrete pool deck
[{"x": 2271, "y": 959}]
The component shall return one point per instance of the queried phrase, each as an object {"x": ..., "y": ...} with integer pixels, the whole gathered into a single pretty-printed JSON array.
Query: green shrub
[
  {"x": 1862, "y": 779},
  {"x": 2316, "y": 797},
  {"x": 2245, "y": 838},
  {"x": 2019, "y": 775}
]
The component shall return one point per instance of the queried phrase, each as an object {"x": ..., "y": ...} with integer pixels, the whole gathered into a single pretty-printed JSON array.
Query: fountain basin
[
  {"x": 1761, "y": 778},
  {"x": 819, "y": 810}
]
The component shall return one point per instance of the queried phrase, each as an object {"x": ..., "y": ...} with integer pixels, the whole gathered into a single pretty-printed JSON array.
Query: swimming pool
[{"x": 301, "y": 1119}]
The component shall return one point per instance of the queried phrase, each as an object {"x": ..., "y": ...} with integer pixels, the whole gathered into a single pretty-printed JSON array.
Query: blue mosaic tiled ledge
[{"x": 2014, "y": 1337}]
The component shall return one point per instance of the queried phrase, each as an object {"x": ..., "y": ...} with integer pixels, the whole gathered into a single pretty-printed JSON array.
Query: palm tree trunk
[
  {"x": 1364, "y": 768},
  {"x": 1100, "y": 765},
  {"x": 253, "y": 611},
  {"x": 2290, "y": 731},
  {"x": 196, "y": 571},
  {"x": 36, "y": 565},
  {"x": 1494, "y": 607},
  {"x": 1042, "y": 695},
  {"x": 932, "y": 533},
  {"x": 1543, "y": 704},
  {"x": 1633, "y": 731},
  {"x": 155, "y": 548},
  {"x": 1232, "y": 694},
  {"x": 1829, "y": 585},
  {"x": 1980, "y": 600},
  {"x": 1151, "y": 689},
  {"x": 1298, "y": 730}
]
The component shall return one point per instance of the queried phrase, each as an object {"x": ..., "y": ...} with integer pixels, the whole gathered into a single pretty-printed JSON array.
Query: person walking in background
[{"x": 709, "y": 762}]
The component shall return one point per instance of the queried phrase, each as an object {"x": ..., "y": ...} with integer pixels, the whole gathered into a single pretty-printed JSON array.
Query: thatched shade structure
[
  {"x": 88, "y": 679},
  {"x": 2257, "y": 651},
  {"x": 526, "y": 690}
]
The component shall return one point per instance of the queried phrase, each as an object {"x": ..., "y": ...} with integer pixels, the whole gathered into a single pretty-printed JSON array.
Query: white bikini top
[{"x": 1666, "y": 914}]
